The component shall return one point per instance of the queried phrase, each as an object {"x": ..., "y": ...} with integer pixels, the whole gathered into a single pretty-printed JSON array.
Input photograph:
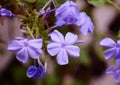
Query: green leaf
[
  {"x": 30, "y": 1},
  {"x": 119, "y": 34},
  {"x": 97, "y": 2},
  {"x": 84, "y": 58},
  {"x": 59, "y": 2},
  {"x": 18, "y": 0},
  {"x": 41, "y": 3}
]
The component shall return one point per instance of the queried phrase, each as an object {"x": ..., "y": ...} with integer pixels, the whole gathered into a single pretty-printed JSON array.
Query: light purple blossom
[
  {"x": 85, "y": 23},
  {"x": 26, "y": 48},
  {"x": 113, "y": 49},
  {"x": 35, "y": 72},
  {"x": 115, "y": 72},
  {"x": 5, "y": 12},
  {"x": 63, "y": 47},
  {"x": 68, "y": 13}
]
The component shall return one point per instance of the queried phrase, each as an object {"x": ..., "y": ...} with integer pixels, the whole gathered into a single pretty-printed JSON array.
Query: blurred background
[{"x": 88, "y": 69}]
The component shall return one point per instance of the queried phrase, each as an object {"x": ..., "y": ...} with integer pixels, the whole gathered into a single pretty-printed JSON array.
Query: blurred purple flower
[
  {"x": 115, "y": 71},
  {"x": 26, "y": 48},
  {"x": 5, "y": 12},
  {"x": 113, "y": 49},
  {"x": 35, "y": 72},
  {"x": 68, "y": 13},
  {"x": 63, "y": 47},
  {"x": 85, "y": 23}
]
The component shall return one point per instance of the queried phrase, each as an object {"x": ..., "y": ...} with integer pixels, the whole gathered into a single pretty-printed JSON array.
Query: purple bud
[
  {"x": 41, "y": 12},
  {"x": 35, "y": 72}
]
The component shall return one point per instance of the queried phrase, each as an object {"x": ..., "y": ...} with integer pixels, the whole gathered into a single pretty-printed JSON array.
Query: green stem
[
  {"x": 46, "y": 4},
  {"x": 38, "y": 59},
  {"x": 52, "y": 28},
  {"x": 23, "y": 10},
  {"x": 115, "y": 5},
  {"x": 29, "y": 31}
]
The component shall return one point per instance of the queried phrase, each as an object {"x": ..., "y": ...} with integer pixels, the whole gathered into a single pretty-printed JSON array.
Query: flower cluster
[
  {"x": 44, "y": 42},
  {"x": 113, "y": 50},
  {"x": 68, "y": 13}
]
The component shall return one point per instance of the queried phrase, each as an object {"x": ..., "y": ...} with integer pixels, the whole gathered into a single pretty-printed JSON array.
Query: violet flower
[
  {"x": 85, "y": 23},
  {"x": 113, "y": 49},
  {"x": 67, "y": 13},
  {"x": 35, "y": 72},
  {"x": 115, "y": 72},
  {"x": 26, "y": 48},
  {"x": 63, "y": 47},
  {"x": 5, "y": 12}
]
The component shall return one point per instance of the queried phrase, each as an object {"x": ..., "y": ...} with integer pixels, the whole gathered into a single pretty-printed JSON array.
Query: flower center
[
  {"x": 63, "y": 45},
  {"x": 25, "y": 44}
]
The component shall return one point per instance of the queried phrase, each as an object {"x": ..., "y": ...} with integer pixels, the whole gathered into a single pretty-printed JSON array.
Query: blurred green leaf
[
  {"x": 84, "y": 58},
  {"x": 18, "y": 0},
  {"x": 119, "y": 34},
  {"x": 52, "y": 80},
  {"x": 31, "y": 1},
  {"x": 97, "y": 2},
  {"x": 59, "y": 2},
  {"x": 41, "y": 3}
]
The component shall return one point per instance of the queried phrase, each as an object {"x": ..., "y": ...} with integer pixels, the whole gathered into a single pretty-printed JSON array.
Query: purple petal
[
  {"x": 84, "y": 30},
  {"x": 34, "y": 53},
  {"x": 109, "y": 53},
  {"x": 118, "y": 43},
  {"x": 53, "y": 48},
  {"x": 22, "y": 55},
  {"x": 41, "y": 12},
  {"x": 117, "y": 56},
  {"x": 107, "y": 42},
  {"x": 73, "y": 51},
  {"x": 115, "y": 71},
  {"x": 62, "y": 57},
  {"x": 42, "y": 71},
  {"x": 32, "y": 70},
  {"x": 68, "y": 12},
  {"x": 60, "y": 23},
  {"x": 79, "y": 41},
  {"x": 82, "y": 18},
  {"x": 14, "y": 45},
  {"x": 5, "y": 12},
  {"x": 35, "y": 43},
  {"x": 110, "y": 70},
  {"x": 118, "y": 61},
  {"x": 87, "y": 27},
  {"x": 66, "y": 9},
  {"x": 117, "y": 77},
  {"x": 70, "y": 38},
  {"x": 116, "y": 74},
  {"x": 56, "y": 36}
]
